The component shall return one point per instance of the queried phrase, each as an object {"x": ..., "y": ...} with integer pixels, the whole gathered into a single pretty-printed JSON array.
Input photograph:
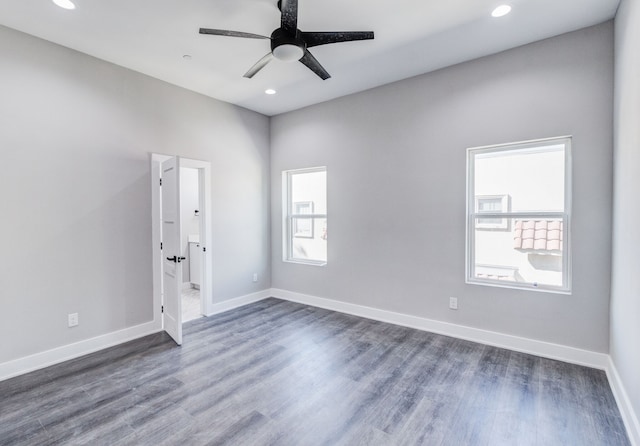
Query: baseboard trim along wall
[
  {"x": 524, "y": 345},
  {"x": 230, "y": 304},
  {"x": 57, "y": 355},
  {"x": 549, "y": 350},
  {"x": 629, "y": 417},
  {"x": 572, "y": 355}
]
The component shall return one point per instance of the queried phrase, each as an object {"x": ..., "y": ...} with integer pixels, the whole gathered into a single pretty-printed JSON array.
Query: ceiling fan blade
[
  {"x": 259, "y": 65},
  {"x": 323, "y": 38},
  {"x": 289, "y": 22},
  {"x": 224, "y": 32},
  {"x": 313, "y": 64}
]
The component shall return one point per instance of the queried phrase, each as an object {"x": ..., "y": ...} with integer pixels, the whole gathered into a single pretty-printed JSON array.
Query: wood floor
[{"x": 280, "y": 373}]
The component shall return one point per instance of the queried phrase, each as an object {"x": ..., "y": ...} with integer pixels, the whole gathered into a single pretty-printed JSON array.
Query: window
[
  {"x": 305, "y": 215},
  {"x": 497, "y": 203},
  {"x": 518, "y": 210}
]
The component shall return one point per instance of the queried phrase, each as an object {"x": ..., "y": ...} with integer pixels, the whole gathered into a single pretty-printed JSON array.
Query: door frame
[{"x": 206, "y": 239}]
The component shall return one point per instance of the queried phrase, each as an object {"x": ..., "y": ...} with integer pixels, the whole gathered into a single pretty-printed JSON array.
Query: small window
[
  {"x": 492, "y": 204},
  {"x": 305, "y": 215},
  {"x": 518, "y": 210}
]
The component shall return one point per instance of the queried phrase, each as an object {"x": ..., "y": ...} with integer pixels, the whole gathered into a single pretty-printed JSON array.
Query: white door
[{"x": 171, "y": 259}]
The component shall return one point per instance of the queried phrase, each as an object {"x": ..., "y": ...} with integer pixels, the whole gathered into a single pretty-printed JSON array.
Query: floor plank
[{"x": 282, "y": 373}]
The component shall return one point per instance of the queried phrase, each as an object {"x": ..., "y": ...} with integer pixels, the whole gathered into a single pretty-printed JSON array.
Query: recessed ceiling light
[
  {"x": 66, "y": 4},
  {"x": 270, "y": 91},
  {"x": 501, "y": 10}
]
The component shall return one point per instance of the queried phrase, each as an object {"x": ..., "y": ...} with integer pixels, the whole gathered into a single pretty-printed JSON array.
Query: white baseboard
[
  {"x": 57, "y": 355},
  {"x": 60, "y": 354},
  {"x": 629, "y": 416},
  {"x": 524, "y": 345},
  {"x": 540, "y": 348},
  {"x": 236, "y": 302}
]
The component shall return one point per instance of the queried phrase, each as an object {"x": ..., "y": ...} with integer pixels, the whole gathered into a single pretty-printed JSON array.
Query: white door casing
[{"x": 171, "y": 259}]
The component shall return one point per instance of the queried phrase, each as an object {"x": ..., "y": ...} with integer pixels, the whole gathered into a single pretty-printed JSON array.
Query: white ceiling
[{"x": 411, "y": 37}]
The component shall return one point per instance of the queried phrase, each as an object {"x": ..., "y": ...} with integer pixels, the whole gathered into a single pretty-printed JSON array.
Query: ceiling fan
[{"x": 289, "y": 44}]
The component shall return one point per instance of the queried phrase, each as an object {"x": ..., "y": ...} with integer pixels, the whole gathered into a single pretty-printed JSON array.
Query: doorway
[
  {"x": 190, "y": 246},
  {"x": 182, "y": 273}
]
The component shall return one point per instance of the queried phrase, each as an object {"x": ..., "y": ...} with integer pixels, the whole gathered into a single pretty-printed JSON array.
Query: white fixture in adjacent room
[
  {"x": 501, "y": 10},
  {"x": 66, "y": 4},
  {"x": 194, "y": 261}
]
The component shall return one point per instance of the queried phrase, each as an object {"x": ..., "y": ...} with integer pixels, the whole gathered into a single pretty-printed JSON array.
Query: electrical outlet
[
  {"x": 255, "y": 277},
  {"x": 73, "y": 319},
  {"x": 453, "y": 303}
]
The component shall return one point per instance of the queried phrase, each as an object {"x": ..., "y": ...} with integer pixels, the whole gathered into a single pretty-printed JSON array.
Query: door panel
[{"x": 171, "y": 260}]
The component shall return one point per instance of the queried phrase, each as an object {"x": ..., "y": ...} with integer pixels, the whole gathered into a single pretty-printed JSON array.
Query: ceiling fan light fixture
[
  {"x": 66, "y": 4},
  {"x": 501, "y": 11},
  {"x": 288, "y": 52}
]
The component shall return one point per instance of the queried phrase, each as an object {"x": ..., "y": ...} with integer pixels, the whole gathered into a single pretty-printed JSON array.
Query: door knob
[{"x": 180, "y": 259}]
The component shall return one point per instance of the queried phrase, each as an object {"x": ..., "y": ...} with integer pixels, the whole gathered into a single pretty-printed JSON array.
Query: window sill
[
  {"x": 305, "y": 262},
  {"x": 519, "y": 286}
]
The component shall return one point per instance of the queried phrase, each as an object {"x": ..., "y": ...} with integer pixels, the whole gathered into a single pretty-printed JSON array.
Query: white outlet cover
[
  {"x": 453, "y": 303},
  {"x": 73, "y": 319}
]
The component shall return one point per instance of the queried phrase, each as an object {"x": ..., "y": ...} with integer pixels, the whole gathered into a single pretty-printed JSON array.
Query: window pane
[
  {"x": 532, "y": 177},
  {"x": 310, "y": 187},
  {"x": 531, "y": 252},
  {"x": 309, "y": 239},
  {"x": 302, "y": 227}
]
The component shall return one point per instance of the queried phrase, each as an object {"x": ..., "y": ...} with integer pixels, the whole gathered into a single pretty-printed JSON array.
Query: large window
[
  {"x": 518, "y": 211},
  {"x": 305, "y": 215}
]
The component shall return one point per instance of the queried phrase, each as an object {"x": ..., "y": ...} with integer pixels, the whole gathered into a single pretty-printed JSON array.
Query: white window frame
[
  {"x": 565, "y": 216},
  {"x": 288, "y": 217}
]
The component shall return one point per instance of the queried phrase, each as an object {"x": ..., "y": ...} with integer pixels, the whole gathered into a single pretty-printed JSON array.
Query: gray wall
[
  {"x": 625, "y": 291},
  {"x": 75, "y": 137},
  {"x": 396, "y": 186}
]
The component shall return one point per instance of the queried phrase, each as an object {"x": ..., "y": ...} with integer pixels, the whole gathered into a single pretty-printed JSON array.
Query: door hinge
[
  {"x": 160, "y": 181},
  {"x": 204, "y": 249},
  {"x": 162, "y": 309},
  {"x": 160, "y": 246}
]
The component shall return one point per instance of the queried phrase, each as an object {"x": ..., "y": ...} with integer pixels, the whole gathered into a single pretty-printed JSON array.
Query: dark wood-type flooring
[{"x": 280, "y": 373}]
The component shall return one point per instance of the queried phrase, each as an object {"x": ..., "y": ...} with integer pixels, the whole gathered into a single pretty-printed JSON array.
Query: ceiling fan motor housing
[{"x": 287, "y": 47}]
